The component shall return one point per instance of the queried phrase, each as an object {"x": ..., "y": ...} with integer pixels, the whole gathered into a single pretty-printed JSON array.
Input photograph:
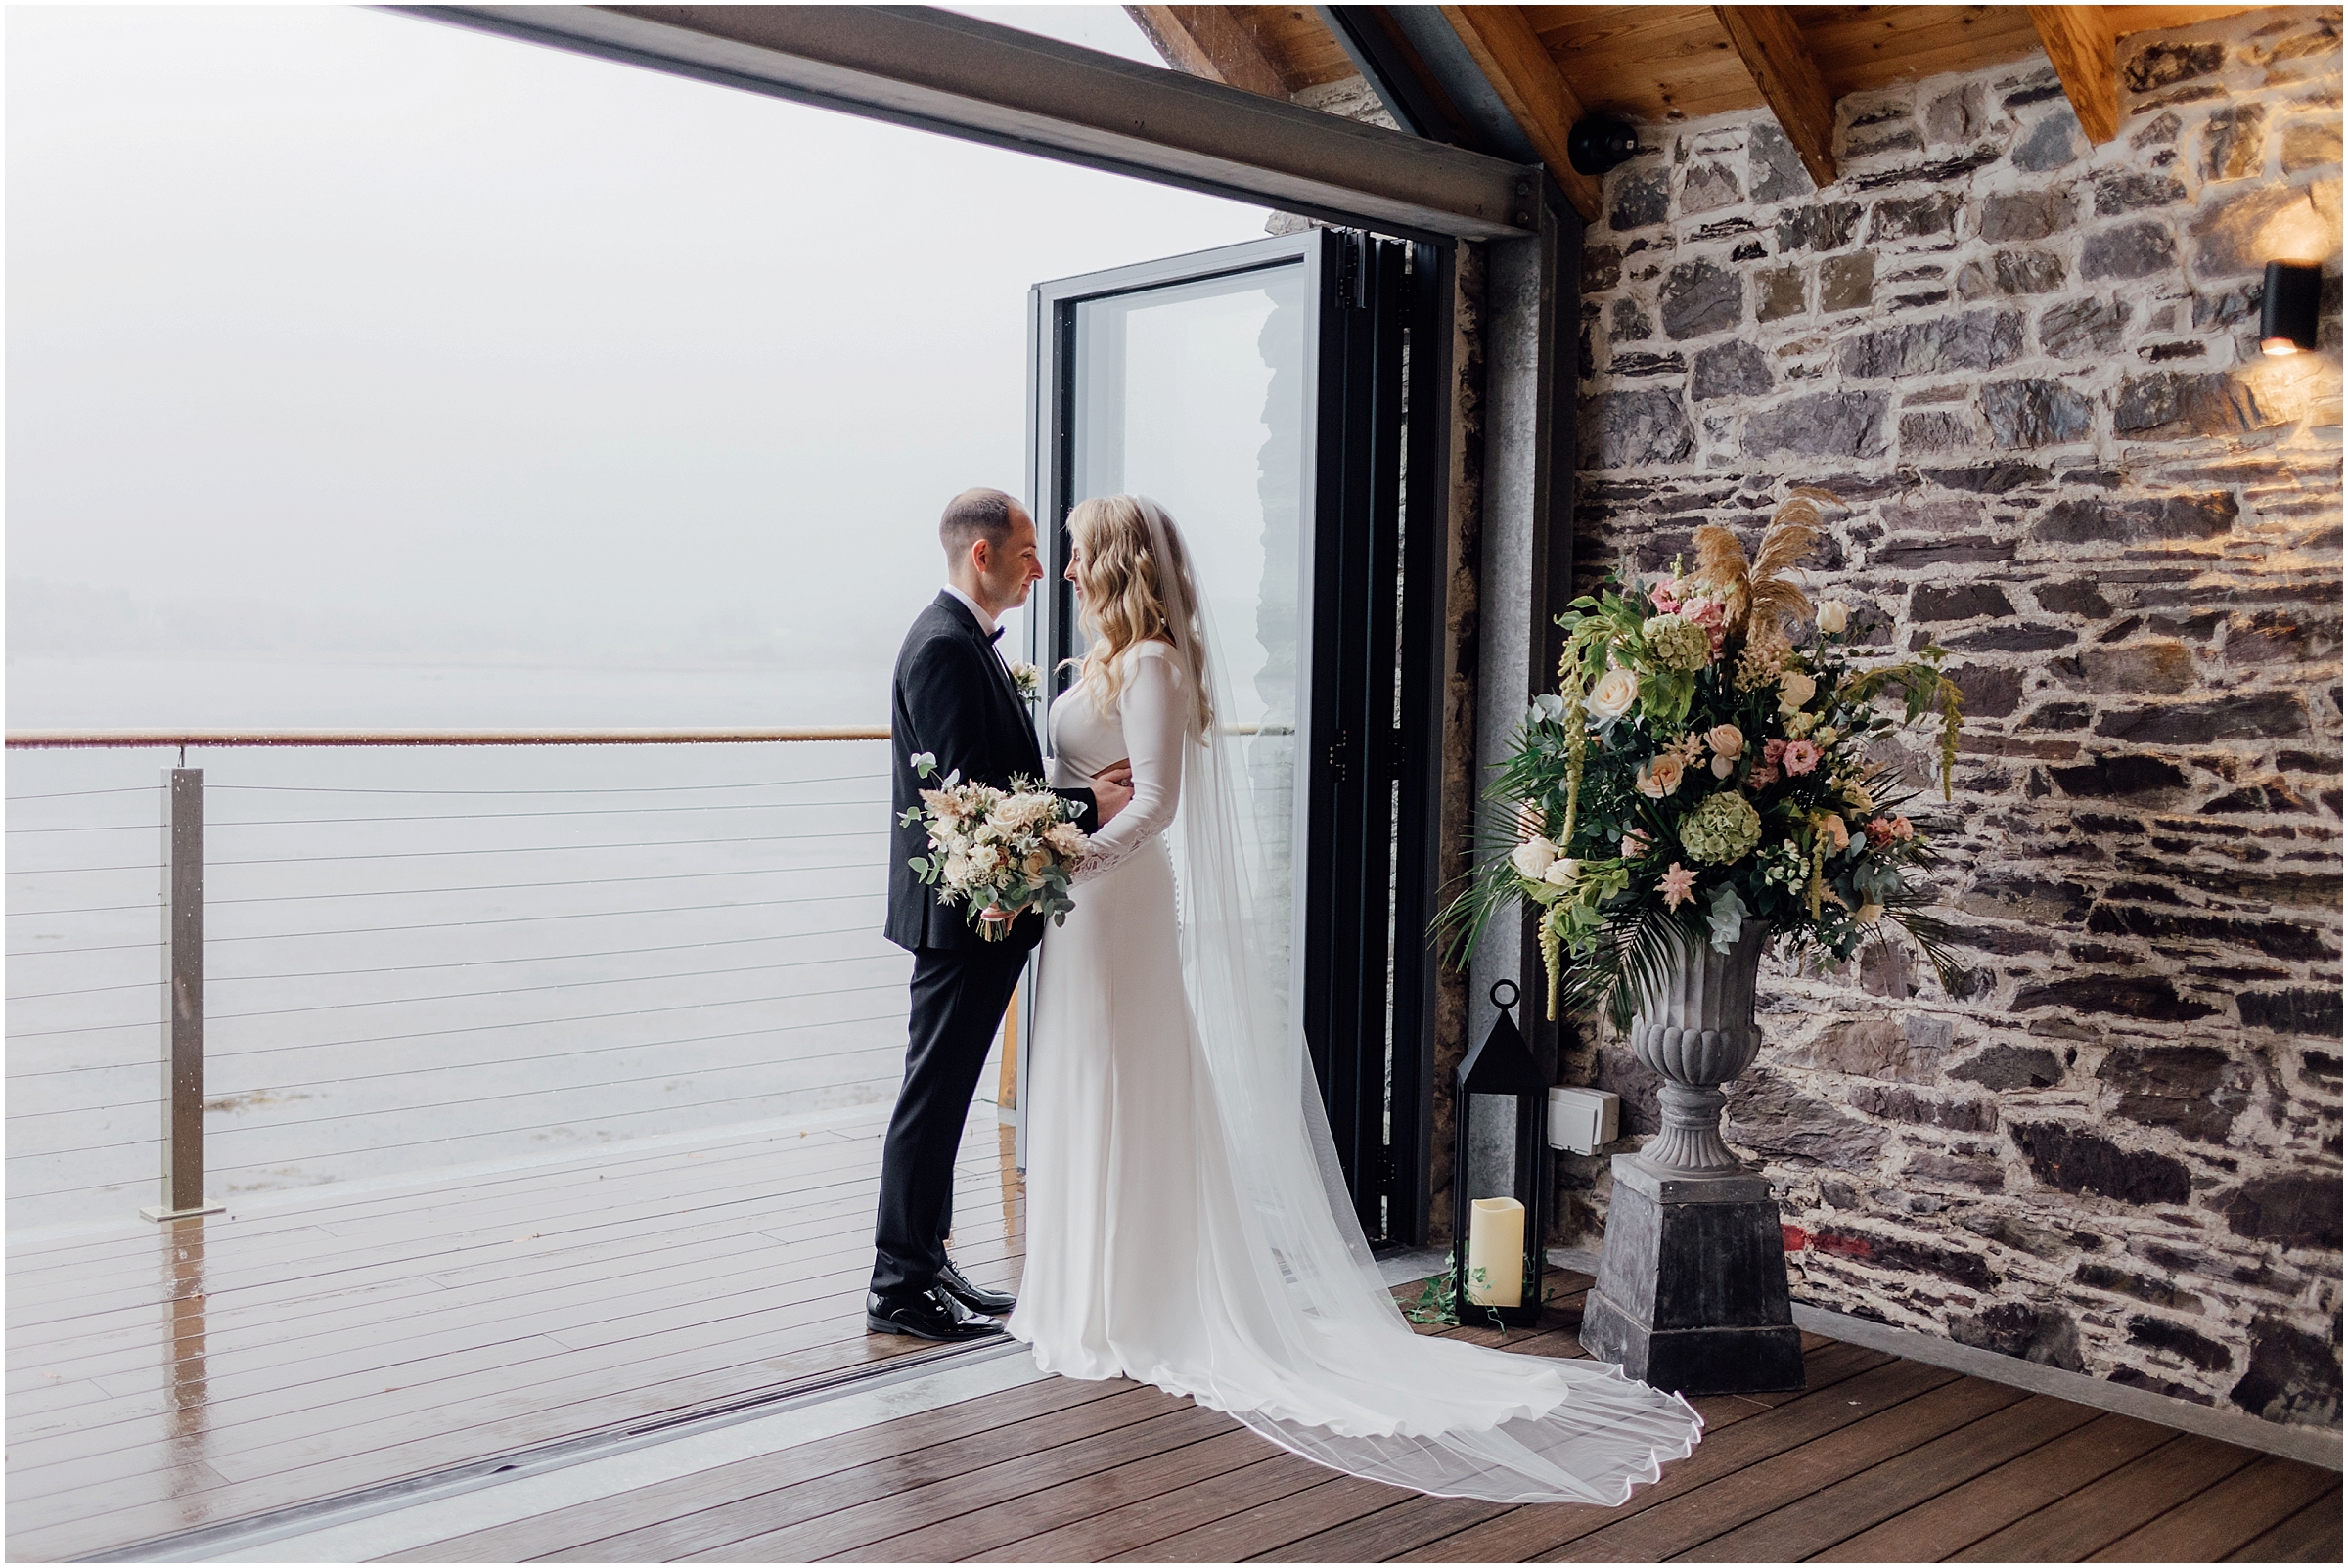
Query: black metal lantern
[
  {"x": 2286, "y": 311},
  {"x": 1500, "y": 1160}
]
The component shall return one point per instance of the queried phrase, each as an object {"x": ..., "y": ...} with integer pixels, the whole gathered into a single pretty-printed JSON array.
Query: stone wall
[{"x": 2030, "y": 367}]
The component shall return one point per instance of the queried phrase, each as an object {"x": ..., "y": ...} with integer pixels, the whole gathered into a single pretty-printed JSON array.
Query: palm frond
[{"x": 1632, "y": 960}]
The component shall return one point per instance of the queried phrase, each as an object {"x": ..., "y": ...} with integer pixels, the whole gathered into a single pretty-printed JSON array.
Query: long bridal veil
[{"x": 1311, "y": 1350}]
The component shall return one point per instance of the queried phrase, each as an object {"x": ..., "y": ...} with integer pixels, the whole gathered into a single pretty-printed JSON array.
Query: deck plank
[
  {"x": 1148, "y": 1520},
  {"x": 2227, "y": 1517},
  {"x": 1833, "y": 1513},
  {"x": 1685, "y": 1522},
  {"x": 2021, "y": 1486},
  {"x": 2080, "y": 1523},
  {"x": 2312, "y": 1535}
]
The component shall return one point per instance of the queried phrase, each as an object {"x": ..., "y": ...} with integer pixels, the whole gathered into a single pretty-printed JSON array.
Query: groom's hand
[{"x": 1113, "y": 790}]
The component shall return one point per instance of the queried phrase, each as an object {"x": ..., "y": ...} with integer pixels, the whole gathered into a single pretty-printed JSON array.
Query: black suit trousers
[{"x": 958, "y": 996}]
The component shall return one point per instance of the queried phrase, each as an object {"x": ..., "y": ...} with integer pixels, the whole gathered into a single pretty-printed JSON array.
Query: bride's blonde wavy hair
[{"x": 1125, "y": 599}]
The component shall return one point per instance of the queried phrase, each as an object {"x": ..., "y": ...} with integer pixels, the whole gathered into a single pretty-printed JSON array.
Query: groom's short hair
[{"x": 972, "y": 515}]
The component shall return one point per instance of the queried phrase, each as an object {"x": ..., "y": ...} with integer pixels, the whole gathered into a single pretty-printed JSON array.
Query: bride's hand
[{"x": 1113, "y": 790}]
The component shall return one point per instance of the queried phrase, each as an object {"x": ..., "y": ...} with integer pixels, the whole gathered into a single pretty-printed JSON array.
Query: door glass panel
[{"x": 1194, "y": 396}]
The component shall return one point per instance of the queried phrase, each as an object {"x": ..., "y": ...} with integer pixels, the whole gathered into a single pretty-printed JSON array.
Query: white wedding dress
[{"x": 1187, "y": 1224}]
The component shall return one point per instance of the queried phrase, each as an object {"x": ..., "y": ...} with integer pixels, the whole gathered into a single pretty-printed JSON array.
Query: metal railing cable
[{"x": 473, "y": 1065}]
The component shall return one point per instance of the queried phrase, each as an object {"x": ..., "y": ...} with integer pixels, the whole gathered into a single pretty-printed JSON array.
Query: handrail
[{"x": 56, "y": 739}]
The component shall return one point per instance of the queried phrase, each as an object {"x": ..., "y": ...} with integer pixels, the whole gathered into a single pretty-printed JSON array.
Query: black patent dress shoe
[
  {"x": 930, "y": 1315},
  {"x": 975, "y": 1297}
]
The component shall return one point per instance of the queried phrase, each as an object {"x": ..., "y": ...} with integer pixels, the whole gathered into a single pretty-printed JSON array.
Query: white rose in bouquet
[
  {"x": 1833, "y": 616},
  {"x": 1615, "y": 694},
  {"x": 1532, "y": 858}
]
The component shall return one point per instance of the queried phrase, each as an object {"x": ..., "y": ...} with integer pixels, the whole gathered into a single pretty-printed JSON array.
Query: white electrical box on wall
[{"x": 1583, "y": 1120}]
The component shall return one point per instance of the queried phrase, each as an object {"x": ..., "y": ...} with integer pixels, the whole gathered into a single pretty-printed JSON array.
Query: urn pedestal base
[{"x": 1691, "y": 1295}]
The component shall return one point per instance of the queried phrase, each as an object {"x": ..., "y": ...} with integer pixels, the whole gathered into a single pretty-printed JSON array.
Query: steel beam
[{"x": 939, "y": 71}]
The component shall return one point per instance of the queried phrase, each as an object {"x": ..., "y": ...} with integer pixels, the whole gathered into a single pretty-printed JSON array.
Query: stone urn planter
[{"x": 1691, "y": 1292}]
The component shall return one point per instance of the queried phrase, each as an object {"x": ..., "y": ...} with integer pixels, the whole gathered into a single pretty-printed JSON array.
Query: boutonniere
[{"x": 1028, "y": 681}]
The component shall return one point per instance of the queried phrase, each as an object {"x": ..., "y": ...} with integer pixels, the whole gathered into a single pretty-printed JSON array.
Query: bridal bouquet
[
  {"x": 997, "y": 849},
  {"x": 1699, "y": 768}
]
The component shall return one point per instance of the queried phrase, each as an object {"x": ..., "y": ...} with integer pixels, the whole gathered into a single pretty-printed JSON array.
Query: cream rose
[
  {"x": 1726, "y": 740},
  {"x": 1562, "y": 872},
  {"x": 1835, "y": 828},
  {"x": 1661, "y": 775},
  {"x": 1532, "y": 858},
  {"x": 1613, "y": 695},
  {"x": 1833, "y": 616},
  {"x": 1796, "y": 689}
]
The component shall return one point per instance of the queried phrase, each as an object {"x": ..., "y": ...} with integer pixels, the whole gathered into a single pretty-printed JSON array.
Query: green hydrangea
[
  {"x": 1679, "y": 645},
  {"x": 1723, "y": 828}
]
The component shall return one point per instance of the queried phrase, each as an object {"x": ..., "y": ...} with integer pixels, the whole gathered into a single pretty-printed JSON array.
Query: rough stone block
[
  {"x": 2027, "y": 215},
  {"x": 2124, "y": 191},
  {"x": 2051, "y": 144},
  {"x": 2071, "y": 1160},
  {"x": 1633, "y": 430},
  {"x": 2132, "y": 250},
  {"x": 1777, "y": 293},
  {"x": 2047, "y": 1335},
  {"x": 1626, "y": 323},
  {"x": 1699, "y": 298},
  {"x": 2028, "y": 272},
  {"x": 1771, "y": 165},
  {"x": 1916, "y": 217},
  {"x": 2260, "y": 715},
  {"x": 1937, "y": 432},
  {"x": 2123, "y": 996},
  {"x": 2175, "y": 405},
  {"x": 1642, "y": 198},
  {"x": 1827, "y": 226},
  {"x": 2230, "y": 236},
  {"x": 2292, "y": 1376},
  {"x": 1846, "y": 283},
  {"x": 1977, "y": 340},
  {"x": 2234, "y": 142},
  {"x": 2035, "y": 413},
  {"x": 2307, "y": 146},
  {"x": 2294, "y": 1208},
  {"x": 2164, "y": 64},
  {"x": 1734, "y": 369},
  {"x": 1908, "y": 1049},
  {"x": 2077, "y": 329},
  {"x": 1956, "y": 115},
  {"x": 2162, "y": 667},
  {"x": 2093, "y": 520},
  {"x": 1847, "y": 425},
  {"x": 1963, "y": 602}
]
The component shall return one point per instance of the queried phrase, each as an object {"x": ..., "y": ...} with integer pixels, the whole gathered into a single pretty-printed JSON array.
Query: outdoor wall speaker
[
  {"x": 2286, "y": 315},
  {"x": 1600, "y": 143},
  {"x": 1583, "y": 1120}
]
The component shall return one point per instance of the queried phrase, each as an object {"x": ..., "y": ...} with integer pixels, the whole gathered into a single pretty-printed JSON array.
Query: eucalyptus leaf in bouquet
[{"x": 1704, "y": 763}]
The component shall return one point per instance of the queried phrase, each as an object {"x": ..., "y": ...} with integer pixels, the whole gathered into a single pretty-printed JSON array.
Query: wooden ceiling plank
[
  {"x": 2078, "y": 40},
  {"x": 1544, "y": 108},
  {"x": 1206, "y": 41},
  {"x": 1768, "y": 41}
]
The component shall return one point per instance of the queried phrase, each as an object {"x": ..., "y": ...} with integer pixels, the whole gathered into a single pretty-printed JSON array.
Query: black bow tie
[{"x": 996, "y": 636}]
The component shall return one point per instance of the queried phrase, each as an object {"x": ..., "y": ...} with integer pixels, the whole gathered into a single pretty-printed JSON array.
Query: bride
[{"x": 1187, "y": 1223}]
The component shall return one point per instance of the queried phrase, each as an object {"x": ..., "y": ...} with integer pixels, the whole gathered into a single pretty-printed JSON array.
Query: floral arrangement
[
  {"x": 1699, "y": 768},
  {"x": 1005, "y": 850},
  {"x": 1027, "y": 681}
]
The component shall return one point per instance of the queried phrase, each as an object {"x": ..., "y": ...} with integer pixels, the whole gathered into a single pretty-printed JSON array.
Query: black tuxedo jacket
[{"x": 953, "y": 699}]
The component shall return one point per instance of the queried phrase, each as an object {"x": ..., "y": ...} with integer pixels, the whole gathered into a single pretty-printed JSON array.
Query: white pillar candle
[{"x": 1496, "y": 1252}]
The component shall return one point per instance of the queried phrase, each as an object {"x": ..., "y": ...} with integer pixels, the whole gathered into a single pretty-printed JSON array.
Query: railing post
[{"x": 183, "y": 1001}]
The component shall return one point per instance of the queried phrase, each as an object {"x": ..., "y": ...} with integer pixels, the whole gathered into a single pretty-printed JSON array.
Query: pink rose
[
  {"x": 1801, "y": 756},
  {"x": 1761, "y": 778},
  {"x": 1773, "y": 752},
  {"x": 1666, "y": 595},
  {"x": 1878, "y": 832},
  {"x": 1634, "y": 844},
  {"x": 1902, "y": 829}
]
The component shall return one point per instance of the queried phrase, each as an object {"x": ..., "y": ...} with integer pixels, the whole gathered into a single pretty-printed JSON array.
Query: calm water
[{"x": 424, "y": 960}]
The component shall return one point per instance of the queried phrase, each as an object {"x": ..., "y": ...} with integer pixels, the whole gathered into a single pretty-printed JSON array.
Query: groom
[{"x": 953, "y": 699}]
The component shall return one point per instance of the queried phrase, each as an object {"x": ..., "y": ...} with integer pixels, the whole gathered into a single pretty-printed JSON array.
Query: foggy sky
[{"x": 331, "y": 331}]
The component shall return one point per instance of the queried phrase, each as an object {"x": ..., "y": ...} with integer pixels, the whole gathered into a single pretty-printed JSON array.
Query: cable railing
[{"x": 325, "y": 959}]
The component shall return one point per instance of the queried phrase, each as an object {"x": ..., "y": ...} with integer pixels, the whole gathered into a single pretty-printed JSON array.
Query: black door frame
[{"x": 1370, "y": 599}]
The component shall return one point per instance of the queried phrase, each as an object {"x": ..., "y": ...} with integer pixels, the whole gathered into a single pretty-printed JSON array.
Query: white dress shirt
[{"x": 986, "y": 623}]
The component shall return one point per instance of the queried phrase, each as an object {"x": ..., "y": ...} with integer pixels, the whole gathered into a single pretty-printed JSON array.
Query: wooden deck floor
[
  {"x": 161, "y": 1381},
  {"x": 1879, "y": 1459},
  {"x": 170, "y": 1376}
]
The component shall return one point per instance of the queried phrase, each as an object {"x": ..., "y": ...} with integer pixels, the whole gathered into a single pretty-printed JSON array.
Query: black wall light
[
  {"x": 1600, "y": 143},
  {"x": 2286, "y": 315}
]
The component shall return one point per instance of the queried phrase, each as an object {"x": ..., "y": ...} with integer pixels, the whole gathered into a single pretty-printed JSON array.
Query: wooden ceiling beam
[
  {"x": 2079, "y": 40},
  {"x": 1538, "y": 97},
  {"x": 1208, "y": 41},
  {"x": 1768, "y": 41}
]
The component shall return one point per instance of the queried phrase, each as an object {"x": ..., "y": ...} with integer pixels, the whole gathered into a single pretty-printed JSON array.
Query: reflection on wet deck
[{"x": 165, "y": 1378}]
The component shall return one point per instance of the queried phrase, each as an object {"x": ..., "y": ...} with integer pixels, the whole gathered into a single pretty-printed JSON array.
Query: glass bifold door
[{"x": 1263, "y": 394}]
